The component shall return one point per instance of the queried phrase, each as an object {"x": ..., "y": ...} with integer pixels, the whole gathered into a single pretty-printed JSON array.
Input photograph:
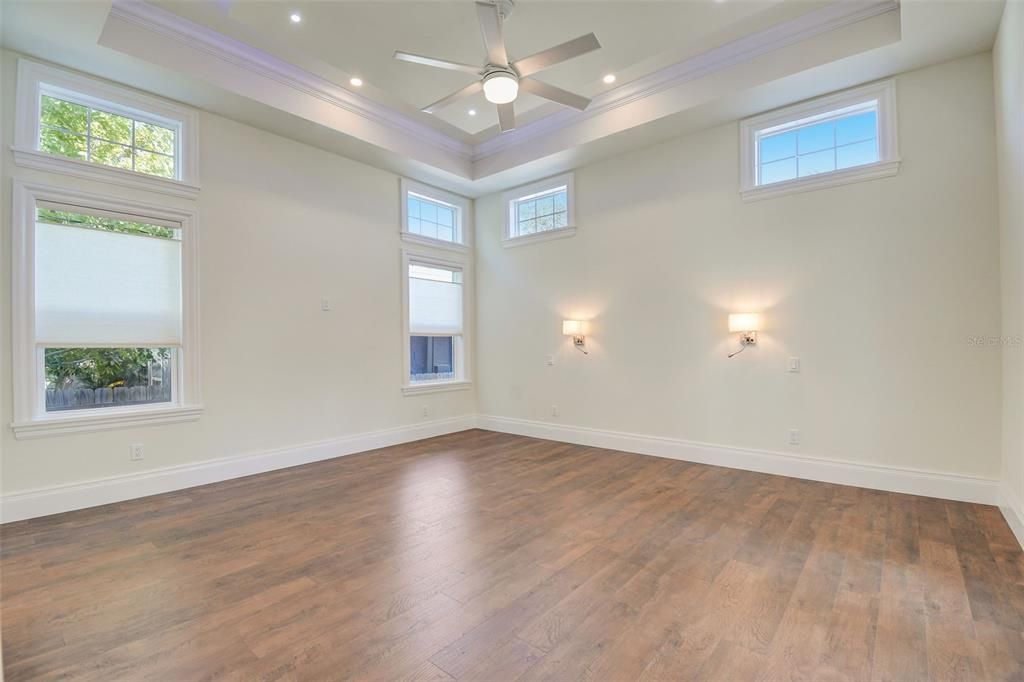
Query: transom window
[
  {"x": 846, "y": 137},
  {"x": 432, "y": 219},
  {"x": 76, "y": 125},
  {"x": 435, "y": 217},
  {"x": 542, "y": 212},
  {"x": 539, "y": 211},
  {"x": 78, "y": 131},
  {"x": 846, "y": 141}
]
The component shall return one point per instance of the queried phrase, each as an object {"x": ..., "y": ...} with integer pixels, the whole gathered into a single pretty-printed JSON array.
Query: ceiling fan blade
[
  {"x": 547, "y": 91},
  {"x": 490, "y": 26},
  {"x": 506, "y": 117},
  {"x": 557, "y": 54},
  {"x": 471, "y": 89},
  {"x": 438, "y": 63}
]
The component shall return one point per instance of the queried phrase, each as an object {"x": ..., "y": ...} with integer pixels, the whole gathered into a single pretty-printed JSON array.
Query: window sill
[
  {"x": 62, "y": 425},
  {"x": 560, "y": 233},
  {"x": 434, "y": 243},
  {"x": 31, "y": 158},
  {"x": 435, "y": 387},
  {"x": 882, "y": 169}
]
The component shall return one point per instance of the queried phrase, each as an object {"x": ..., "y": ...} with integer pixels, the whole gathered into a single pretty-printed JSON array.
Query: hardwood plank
[{"x": 486, "y": 556}]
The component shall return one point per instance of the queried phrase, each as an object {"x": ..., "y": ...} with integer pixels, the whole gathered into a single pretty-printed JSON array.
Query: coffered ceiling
[{"x": 678, "y": 66}]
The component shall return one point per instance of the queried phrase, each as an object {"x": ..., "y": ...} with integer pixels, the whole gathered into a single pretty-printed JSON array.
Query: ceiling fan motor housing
[
  {"x": 504, "y": 7},
  {"x": 501, "y": 85}
]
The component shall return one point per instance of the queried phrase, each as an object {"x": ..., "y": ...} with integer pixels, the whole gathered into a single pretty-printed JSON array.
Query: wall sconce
[
  {"x": 747, "y": 325},
  {"x": 574, "y": 328}
]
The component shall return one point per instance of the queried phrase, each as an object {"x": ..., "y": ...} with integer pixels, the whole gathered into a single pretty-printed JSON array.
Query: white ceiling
[
  {"x": 680, "y": 66},
  {"x": 360, "y": 38}
]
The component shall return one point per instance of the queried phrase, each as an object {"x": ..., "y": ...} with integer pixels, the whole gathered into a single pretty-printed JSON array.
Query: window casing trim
[
  {"x": 510, "y": 198},
  {"x": 30, "y": 418},
  {"x": 463, "y": 216},
  {"x": 463, "y": 375},
  {"x": 884, "y": 92},
  {"x": 35, "y": 80}
]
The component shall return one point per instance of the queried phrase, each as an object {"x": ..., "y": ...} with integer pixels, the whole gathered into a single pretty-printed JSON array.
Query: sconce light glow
[
  {"x": 744, "y": 322},
  {"x": 574, "y": 328},
  {"x": 356, "y": 81},
  {"x": 295, "y": 17},
  {"x": 747, "y": 326}
]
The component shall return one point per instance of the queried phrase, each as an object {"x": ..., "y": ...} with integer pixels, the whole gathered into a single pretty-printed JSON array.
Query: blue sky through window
[
  {"x": 824, "y": 147},
  {"x": 431, "y": 219}
]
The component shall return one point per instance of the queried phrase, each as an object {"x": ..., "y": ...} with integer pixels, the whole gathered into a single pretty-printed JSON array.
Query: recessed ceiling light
[
  {"x": 609, "y": 79},
  {"x": 356, "y": 81},
  {"x": 295, "y": 17},
  {"x": 472, "y": 112}
]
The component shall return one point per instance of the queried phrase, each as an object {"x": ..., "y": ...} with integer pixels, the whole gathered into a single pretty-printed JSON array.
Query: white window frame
[
  {"x": 463, "y": 367},
  {"x": 463, "y": 216},
  {"x": 36, "y": 80},
  {"x": 510, "y": 198},
  {"x": 826, "y": 107},
  {"x": 30, "y": 417}
]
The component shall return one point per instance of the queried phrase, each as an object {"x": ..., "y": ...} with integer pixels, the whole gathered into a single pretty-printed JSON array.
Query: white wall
[
  {"x": 1008, "y": 56},
  {"x": 876, "y": 286},
  {"x": 282, "y": 224}
]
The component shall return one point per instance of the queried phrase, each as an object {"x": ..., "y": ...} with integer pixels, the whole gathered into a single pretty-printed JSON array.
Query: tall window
[
  {"x": 434, "y": 217},
  {"x": 435, "y": 348},
  {"x": 840, "y": 138},
  {"x": 542, "y": 210},
  {"x": 106, "y": 310}
]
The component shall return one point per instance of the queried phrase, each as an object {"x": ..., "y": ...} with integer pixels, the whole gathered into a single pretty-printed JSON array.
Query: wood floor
[{"x": 482, "y": 556}]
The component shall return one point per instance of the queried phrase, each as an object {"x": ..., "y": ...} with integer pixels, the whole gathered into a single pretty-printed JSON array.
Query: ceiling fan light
[{"x": 501, "y": 88}]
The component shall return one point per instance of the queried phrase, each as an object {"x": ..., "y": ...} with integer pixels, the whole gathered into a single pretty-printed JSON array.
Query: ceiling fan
[{"x": 501, "y": 79}]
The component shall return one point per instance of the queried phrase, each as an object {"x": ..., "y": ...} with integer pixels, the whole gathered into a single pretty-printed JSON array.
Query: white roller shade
[
  {"x": 94, "y": 287},
  {"x": 435, "y": 306}
]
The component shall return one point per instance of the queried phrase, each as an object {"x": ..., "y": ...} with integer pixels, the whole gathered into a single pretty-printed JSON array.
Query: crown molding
[
  {"x": 237, "y": 53},
  {"x": 747, "y": 48}
]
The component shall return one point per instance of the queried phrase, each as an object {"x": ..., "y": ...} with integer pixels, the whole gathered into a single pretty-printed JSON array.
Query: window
[
  {"x": 542, "y": 210},
  {"x": 435, "y": 217},
  {"x": 80, "y": 126},
  {"x": 435, "y": 348},
  {"x": 79, "y": 131},
  {"x": 105, "y": 312},
  {"x": 841, "y": 138}
]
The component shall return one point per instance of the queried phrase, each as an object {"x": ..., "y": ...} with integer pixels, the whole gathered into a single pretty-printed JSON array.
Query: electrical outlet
[
  {"x": 549, "y": 360},
  {"x": 794, "y": 436},
  {"x": 135, "y": 452},
  {"x": 426, "y": 410},
  {"x": 793, "y": 365},
  {"x": 325, "y": 304},
  {"x": 554, "y": 410}
]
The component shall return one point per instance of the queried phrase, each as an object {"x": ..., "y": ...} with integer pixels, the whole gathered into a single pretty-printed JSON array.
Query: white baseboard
[
  {"x": 892, "y": 479},
  {"x": 43, "y": 502},
  {"x": 1013, "y": 512}
]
